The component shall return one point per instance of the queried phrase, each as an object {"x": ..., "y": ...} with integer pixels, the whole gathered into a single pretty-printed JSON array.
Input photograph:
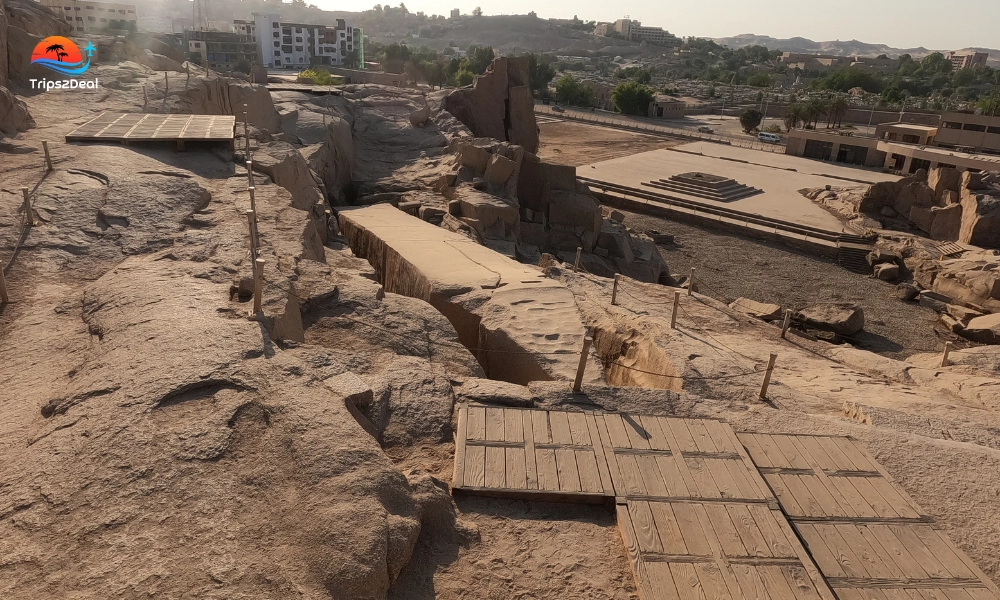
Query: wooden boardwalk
[
  {"x": 869, "y": 539},
  {"x": 696, "y": 518},
  {"x": 141, "y": 127}
]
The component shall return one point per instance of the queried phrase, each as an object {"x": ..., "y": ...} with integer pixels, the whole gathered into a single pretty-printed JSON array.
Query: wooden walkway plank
[
  {"x": 835, "y": 453},
  {"x": 516, "y": 476},
  {"x": 676, "y": 446},
  {"x": 477, "y": 423},
  {"x": 559, "y": 420},
  {"x": 657, "y": 441},
  {"x": 614, "y": 473},
  {"x": 632, "y": 549},
  {"x": 728, "y": 578},
  {"x": 750, "y": 582},
  {"x": 616, "y": 431},
  {"x": 895, "y": 549},
  {"x": 800, "y": 584},
  {"x": 924, "y": 557},
  {"x": 775, "y": 582},
  {"x": 569, "y": 476},
  {"x": 530, "y": 466},
  {"x": 673, "y": 476},
  {"x": 679, "y": 436},
  {"x": 987, "y": 581},
  {"x": 747, "y": 529},
  {"x": 458, "y": 475},
  {"x": 637, "y": 434},
  {"x": 757, "y": 454},
  {"x": 868, "y": 557},
  {"x": 701, "y": 436},
  {"x": 888, "y": 558},
  {"x": 644, "y": 526},
  {"x": 494, "y": 424},
  {"x": 723, "y": 436},
  {"x": 704, "y": 483},
  {"x": 826, "y": 557},
  {"x": 599, "y": 456},
  {"x": 590, "y": 478},
  {"x": 792, "y": 453},
  {"x": 690, "y": 526},
  {"x": 687, "y": 582},
  {"x": 725, "y": 530},
  {"x": 661, "y": 581},
  {"x": 548, "y": 473},
  {"x": 843, "y": 551},
  {"x": 496, "y": 465},
  {"x": 767, "y": 521},
  {"x": 804, "y": 499},
  {"x": 670, "y": 534},
  {"x": 513, "y": 426},
  {"x": 475, "y": 466},
  {"x": 857, "y": 456},
  {"x": 945, "y": 552},
  {"x": 873, "y": 497},
  {"x": 724, "y": 481},
  {"x": 774, "y": 454},
  {"x": 814, "y": 453},
  {"x": 540, "y": 426},
  {"x": 578, "y": 428},
  {"x": 852, "y": 497},
  {"x": 899, "y": 501},
  {"x": 631, "y": 478},
  {"x": 652, "y": 479},
  {"x": 713, "y": 581},
  {"x": 821, "y": 493}
]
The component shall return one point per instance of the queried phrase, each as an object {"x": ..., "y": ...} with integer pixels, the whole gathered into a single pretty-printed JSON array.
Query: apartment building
[
  {"x": 634, "y": 30},
  {"x": 222, "y": 50},
  {"x": 94, "y": 17},
  {"x": 965, "y": 60},
  {"x": 297, "y": 45}
]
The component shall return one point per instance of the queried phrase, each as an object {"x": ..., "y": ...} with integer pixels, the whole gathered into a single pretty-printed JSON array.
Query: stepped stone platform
[
  {"x": 705, "y": 185},
  {"x": 697, "y": 513}
]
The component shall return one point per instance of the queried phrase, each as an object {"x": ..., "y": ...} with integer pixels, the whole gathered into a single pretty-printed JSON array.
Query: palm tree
[
  {"x": 814, "y": 109},
  {"x": 838, "y": 110},
  {"x": 55, "y": 48},
  {"x": 60, "y": 56},
  {"x": 793, "y": 115}
]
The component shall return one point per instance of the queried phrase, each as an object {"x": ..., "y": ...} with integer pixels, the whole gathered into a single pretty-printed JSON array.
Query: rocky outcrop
[
  {"x": 14, "y": 116},
  {"x": 286, "y": 167},
  {"x": 158, "y": 62},
  {"x": 499, "y": 104},
  {"x": 35, "y": 18},
  {"x": 980, "y": 211},
  {"x": 214, "y": 95},
  {"x": 842, "y": 319},
  {"x": 758, "y": 310},
  {"x": 4, "y": 69}
]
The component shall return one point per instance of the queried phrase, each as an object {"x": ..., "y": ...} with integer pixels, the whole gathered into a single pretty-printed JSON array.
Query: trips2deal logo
[{"x": 62, "y": 55}]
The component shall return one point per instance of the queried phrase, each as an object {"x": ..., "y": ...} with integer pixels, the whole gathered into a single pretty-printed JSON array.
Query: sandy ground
[
  {"x": 576, "y": 144},
  {"x": 728, "y": 267}
]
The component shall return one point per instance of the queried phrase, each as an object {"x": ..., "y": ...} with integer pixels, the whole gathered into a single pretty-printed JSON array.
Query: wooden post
[
  {"x": 614, "y": 291},
  {"x": 576, "y": 265},
  {"x": 145, "y": 96},
  {"x": 166, "y": 81},
  {"x": 691, "y": 282},
  {"x": 947, "y": 350},
  {"x": 251, "y": 222},
  {"x": 578, "y": 384},
  {"x": 767, "y": 377},
  {"x": 246, "y": 130},
  {"x": 3, "y": 287},
  {"x": 787, "y": 322},
  {"x": 48, "y": 158},
  {"x": 250, "y": 173},
  {"x": 258, "y": 286},
  {"x": 29, "y": 214},
  {"x": 673, "y": 315}
]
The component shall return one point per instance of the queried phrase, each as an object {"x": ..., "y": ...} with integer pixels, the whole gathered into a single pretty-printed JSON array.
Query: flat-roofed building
[
  {"x": 666, "y": 107},
  {"x": 634, "y": 30},
  {"x": 966, "y": 130},
  {"x": 965, "y": 60},
  {"x": 222, "y": 50},
  {"x": 298, "y": 45},
  {"x": 94, "y": 17}
]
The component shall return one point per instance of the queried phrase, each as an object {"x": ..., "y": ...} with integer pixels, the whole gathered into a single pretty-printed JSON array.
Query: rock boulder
[
  {"x": 759, "y": 310},
  {"x": 499, "y": 104},
  {"x": 14, "y": 116},
  {"x": 984, "y": 329},
  {"x": 840, "y": 318}
]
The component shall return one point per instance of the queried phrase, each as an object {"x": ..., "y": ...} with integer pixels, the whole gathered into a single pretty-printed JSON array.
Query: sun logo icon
[{"x": 61, "y": 55}]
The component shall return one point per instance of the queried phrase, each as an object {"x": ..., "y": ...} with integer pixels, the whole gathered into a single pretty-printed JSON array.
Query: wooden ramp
[
  {"x": 141, "y": 127},
  {"x": 869, "y": 539},
  {"x": 696, "y": 518}
]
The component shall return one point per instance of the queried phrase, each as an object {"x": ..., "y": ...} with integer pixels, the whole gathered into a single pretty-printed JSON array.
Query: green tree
[
  {"x": 540, "y": 72},
  {"x": 569, "y": 90},
  {"x": 794, "y": 115},
  {"x": 644, "y": 77},
  {"x": 478, "y": 58},
  {"x": 243, "y": 66},
  {"x": 631, "y": 98},
  {"x": 477, "y": 12},
  {"x": 463, "y": 77},
  {"x": 759, "y": 80},
  {"x": 837, "y": 111},
  {"x": 351, "y": 59},
  {"x": 750, "y": 120}
]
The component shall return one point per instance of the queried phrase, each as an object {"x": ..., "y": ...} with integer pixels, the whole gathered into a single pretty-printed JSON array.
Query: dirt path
[
  {"x": 728, "y": 267},
  {"x": 576, "y": 144}
]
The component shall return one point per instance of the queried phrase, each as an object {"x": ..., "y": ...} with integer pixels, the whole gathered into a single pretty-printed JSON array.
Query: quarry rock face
[
  {"x": 214, "y": 95},
  {"x": 499, "y": 104},
  {"x": 14, "y": 116},
  {"x": 842, "y": 319},
  {"x": 36, "y": 18},
  {"x": 980, "y": 224}
]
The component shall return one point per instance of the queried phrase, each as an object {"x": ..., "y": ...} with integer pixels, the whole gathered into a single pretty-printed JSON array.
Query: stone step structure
[{"x": 705, "y": 185}]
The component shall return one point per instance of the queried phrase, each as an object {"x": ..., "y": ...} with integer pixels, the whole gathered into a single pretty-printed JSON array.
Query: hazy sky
[{"x": 933, "y": 24}]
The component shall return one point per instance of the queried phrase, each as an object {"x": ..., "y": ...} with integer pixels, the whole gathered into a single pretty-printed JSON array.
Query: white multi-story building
[{"x": 297, "y": 45}]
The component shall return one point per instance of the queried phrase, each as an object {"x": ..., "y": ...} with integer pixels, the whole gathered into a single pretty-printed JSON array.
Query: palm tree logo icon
[{"x": 58, "y": 50}]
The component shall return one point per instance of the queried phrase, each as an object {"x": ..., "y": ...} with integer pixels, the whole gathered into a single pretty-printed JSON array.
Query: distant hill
[{"x": 837, "y": 48}]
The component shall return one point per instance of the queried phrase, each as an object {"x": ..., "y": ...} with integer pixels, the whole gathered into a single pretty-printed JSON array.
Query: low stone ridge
[{"x": 758, "y": 310}]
